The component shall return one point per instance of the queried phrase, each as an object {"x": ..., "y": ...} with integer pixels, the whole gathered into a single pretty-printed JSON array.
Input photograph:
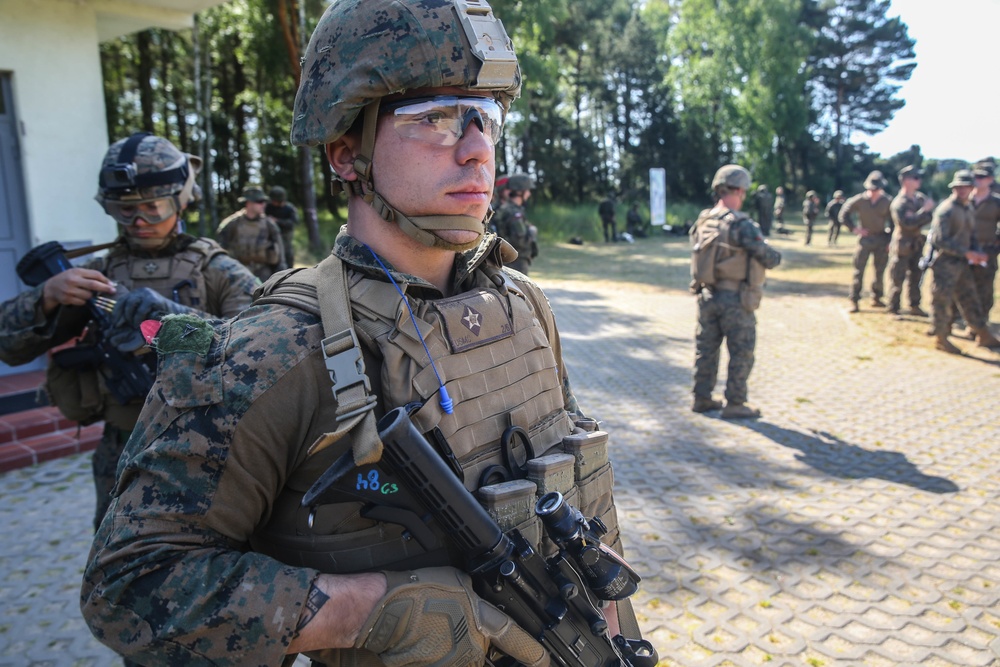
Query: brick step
[{"x": 42, "y": 434}]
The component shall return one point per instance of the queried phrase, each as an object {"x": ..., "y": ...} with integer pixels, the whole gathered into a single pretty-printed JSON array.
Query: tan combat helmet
[
  {"x": 875, "y": 181},
  {"x": 365, "y": 50},
  {"x": 731, "y": 176},
  {"x": 143, "y": 168}
]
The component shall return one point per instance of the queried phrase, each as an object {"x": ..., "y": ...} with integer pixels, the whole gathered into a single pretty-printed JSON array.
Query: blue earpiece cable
[{"x": 445, "y": 400}]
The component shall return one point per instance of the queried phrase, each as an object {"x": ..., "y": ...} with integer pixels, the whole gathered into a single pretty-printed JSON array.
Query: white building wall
[{"x": 51, "y": 50}]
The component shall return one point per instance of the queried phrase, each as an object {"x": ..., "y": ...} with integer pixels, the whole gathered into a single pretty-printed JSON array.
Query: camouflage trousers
[
  {"x": 880, "y": 257},
  {"x": 984, "y": 278},
  {"x": 810, "y": 222},
  {"x": 908, "y": 269},
  {"x": 286, "y": 240},
  {"x": 953, "y": 285},
  {"x": 105, "y": 467},
  {"x": 720, "y": 316},
  {"x": 834, "y": 233}
]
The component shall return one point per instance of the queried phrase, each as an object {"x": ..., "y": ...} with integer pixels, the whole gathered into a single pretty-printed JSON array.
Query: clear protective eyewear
[
  {"x": 152, "y": 211},
  {"x": 441, "y": 120}
]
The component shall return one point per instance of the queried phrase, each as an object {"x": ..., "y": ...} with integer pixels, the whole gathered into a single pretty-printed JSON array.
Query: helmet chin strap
[{"x": 419, "y": 228}]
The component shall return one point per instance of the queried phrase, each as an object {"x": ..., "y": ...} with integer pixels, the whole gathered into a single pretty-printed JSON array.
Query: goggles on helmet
[
  {"x": 152, "y": 211},
  {"x": 441, "y": 120}
]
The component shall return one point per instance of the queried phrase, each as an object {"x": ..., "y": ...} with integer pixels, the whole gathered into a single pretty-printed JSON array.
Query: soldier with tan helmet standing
[
  {"x": 729, "y": 256},
  {"x": 911, "y": 211},
  {"x": 512, "y": 222},
  {"x": 810, "y": 210},
  {"x": 833, "y": 215},
  {"x": 873, "y": 229},
  {"x": 252, "y": 237},
  {"x": 286, "y": 217},
  {"x": 986, "y": 205},
  {"x": 952, "y": 248}
]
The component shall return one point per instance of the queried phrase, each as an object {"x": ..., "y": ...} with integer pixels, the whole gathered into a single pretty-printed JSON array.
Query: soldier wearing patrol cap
[
  {"x": 810, "y": 210},
  {"x": 833, "y": 216},
  {"x": 952, "y": 249},
  {"x": 911, "y": 211},
  {"x": 873, "y": 230},
  {"x": 152, "y": 269},
  {"x": 729, "y": 256},
  {"x": 207, "y": 555},
  {"x": 252, "y": 237},
  {"x": 986, "y": 208}
]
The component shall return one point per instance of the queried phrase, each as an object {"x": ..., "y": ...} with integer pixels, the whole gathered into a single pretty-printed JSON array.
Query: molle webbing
[{"x": 165, "y": 274}]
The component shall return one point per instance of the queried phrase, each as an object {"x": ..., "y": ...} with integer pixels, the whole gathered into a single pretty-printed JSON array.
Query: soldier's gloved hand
[
  {"x": 130, "y": 311},
  {"x": 431, "y": 617}
]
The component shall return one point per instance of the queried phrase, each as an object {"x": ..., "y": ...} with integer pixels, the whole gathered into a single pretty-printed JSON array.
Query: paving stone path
[{"x": 856, "y": 523}]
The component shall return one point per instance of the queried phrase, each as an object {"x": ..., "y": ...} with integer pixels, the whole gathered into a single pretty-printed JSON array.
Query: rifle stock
[{"x": 556, "y": 600}]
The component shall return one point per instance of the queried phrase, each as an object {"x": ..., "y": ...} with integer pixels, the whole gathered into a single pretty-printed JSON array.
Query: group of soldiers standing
[{"x": 960, "y": 249}]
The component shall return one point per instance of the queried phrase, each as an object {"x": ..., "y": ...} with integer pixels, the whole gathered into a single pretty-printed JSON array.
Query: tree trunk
[{"x": 145, "y": 80}]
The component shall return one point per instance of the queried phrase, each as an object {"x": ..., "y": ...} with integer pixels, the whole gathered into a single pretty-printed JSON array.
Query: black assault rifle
[
  {"x": 126, "y": 376},
  {"x": 557, "y": 600}
]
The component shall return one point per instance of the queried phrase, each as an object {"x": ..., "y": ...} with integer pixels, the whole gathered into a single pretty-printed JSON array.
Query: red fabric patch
[{"x": 149, "y": 329}]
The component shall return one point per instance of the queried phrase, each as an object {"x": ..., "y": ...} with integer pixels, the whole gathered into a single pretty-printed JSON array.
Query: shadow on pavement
[{"x": 832, "y": 456}]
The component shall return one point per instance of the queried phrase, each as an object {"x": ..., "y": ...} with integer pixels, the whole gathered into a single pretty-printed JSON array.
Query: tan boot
[
  {"x": 877, "y": 302},
  {"x": 703, "y": 404},
  {"x": 986, "y": 339},
  {"x": 942, "y": 343},
  {"x": 740, "y": 411},
  {"x": 854, "y": 307},
  {"x": 918, "y": 311}
]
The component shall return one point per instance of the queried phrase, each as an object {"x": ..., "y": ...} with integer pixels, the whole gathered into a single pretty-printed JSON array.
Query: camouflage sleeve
[
  {"x": 27, "y": 332},
  {"x": 747, "y": 235},
  {"x": 944, "y": 236},
  {"x": 543, "y": 310},
  {"x": 171, "y": 579},
  {"x": 229, "y": 285}
]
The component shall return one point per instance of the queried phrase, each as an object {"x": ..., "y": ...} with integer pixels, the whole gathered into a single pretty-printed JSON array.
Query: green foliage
[{"x": 611, "y": 89}]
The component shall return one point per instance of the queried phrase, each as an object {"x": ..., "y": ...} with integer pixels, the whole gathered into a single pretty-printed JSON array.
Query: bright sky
[{"x": 953, "y": 97}]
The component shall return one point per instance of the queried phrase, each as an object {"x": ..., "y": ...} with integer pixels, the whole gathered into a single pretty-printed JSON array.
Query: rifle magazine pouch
[
  {"x": 76, "y": 391},
  {"x": 512, "y": 505},
  {"x": 750, "y": 296}
]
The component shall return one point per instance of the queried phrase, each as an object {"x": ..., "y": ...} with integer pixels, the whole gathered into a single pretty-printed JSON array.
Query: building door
[{"x": 15, "y": 239}]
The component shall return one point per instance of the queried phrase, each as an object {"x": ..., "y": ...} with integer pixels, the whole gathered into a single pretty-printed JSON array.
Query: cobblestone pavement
[{"x": 856, "y": 523}]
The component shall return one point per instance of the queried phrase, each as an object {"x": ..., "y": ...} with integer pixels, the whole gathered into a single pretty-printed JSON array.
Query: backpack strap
[{"x": 300, "y": 288}]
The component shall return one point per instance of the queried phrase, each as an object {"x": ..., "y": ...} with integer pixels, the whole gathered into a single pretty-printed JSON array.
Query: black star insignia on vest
[
  {"x": 150, "y": 267},
  {"x": 471, "y": 320}
]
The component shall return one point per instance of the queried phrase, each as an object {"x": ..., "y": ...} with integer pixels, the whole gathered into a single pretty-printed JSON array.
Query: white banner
[{"x": 658, "y": 196}]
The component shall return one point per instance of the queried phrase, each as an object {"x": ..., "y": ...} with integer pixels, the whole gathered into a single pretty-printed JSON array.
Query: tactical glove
[
  {"x": 431, "y": 617},
  {"x": 130, "y": 311}
]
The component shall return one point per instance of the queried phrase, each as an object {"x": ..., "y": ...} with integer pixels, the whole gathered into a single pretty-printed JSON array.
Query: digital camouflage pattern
[
  {"x": 153, "y": 155},
  {"x": 952, "y": 236},
  {"x": 26, "y": 333},
  {"x": 810, "y": 211},
  {"x": 721, "y": 317},
  {"x": 512, "y": 225},
  {"x": 987, "y": 231},
  {"x": 286, "y": 217},
  {"x": 408, "y": 46},
  {"x": 254, "y": 243},
  {"x": 170, "y": 580},
  {"x": 905, "y": 248},
  {"x": 875, "y": 218}
]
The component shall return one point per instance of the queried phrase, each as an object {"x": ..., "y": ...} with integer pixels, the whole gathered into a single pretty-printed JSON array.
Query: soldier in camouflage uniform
[
  {"x": 778, "y": 212},
  {"x": 286, "y": 217},
  {"x": 873, "y": 231},
  {"x": 986, "y": 207},
  {"x": 763, "y": 203},
  {"x": 833, "y": 215},
  {"x": 207, "y": 556},
  {"x": 252, "y": 237},
  {"x": 810, "y": 211},
  {"x": 512, "y": 223},
  {"x": 954, "y": 248},
  {"x": 153, "y": 268},
  {"x": 911, "y": 210},
  {"x": 727, "y": 266}
]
